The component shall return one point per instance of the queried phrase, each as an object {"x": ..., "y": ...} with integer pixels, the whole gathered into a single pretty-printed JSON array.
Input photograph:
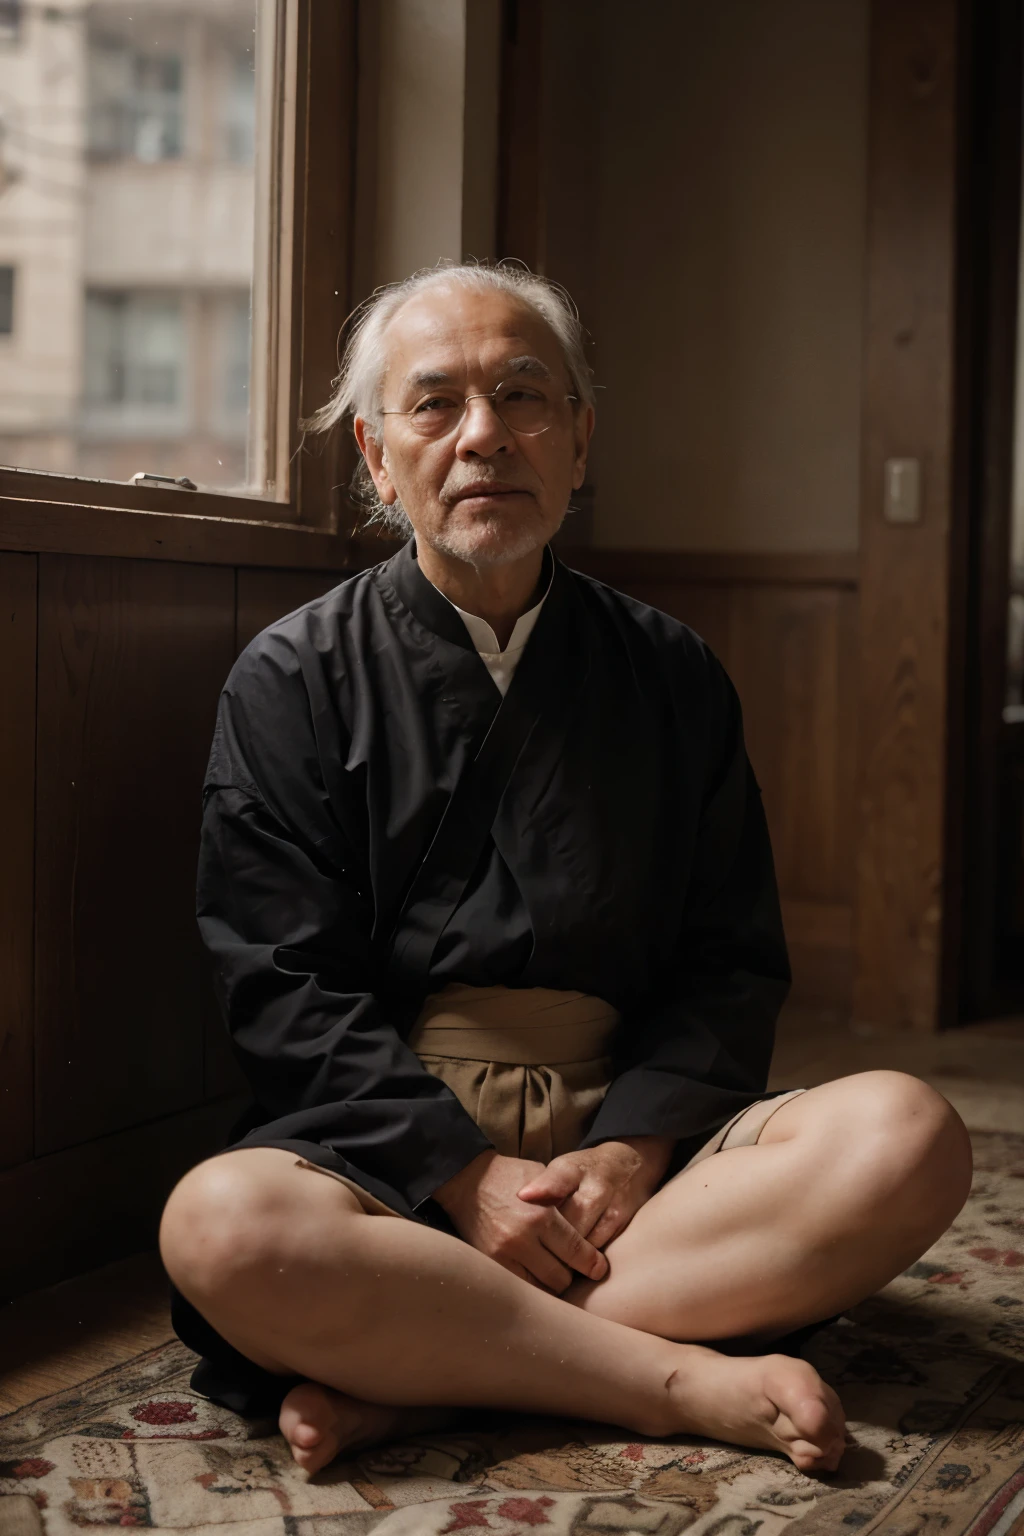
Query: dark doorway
[{"x": 993, "y": 405}]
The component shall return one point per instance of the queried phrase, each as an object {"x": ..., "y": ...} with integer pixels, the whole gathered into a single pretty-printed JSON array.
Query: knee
[
  {"x": 219, "y": 1221},
  {"x": 911, "y": 1144}
]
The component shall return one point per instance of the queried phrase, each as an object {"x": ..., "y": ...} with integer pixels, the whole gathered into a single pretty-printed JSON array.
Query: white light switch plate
[{"x": 902, "y": 502}]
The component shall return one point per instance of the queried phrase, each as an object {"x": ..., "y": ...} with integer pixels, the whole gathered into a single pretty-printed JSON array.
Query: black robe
[{"x": 629, "y": 859}]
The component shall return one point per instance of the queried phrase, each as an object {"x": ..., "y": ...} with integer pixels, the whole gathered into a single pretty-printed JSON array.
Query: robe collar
[{"x": 431, "y": 607}]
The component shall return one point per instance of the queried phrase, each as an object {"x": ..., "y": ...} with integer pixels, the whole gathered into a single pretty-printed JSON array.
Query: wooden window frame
[{"x": 314, "y": 527}]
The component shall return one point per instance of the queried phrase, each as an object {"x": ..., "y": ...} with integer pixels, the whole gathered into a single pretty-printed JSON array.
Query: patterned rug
[{"x": 931, "y": 1372}]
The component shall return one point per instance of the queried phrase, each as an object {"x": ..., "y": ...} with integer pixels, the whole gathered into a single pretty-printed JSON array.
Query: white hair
[{"x": 358, "y": 387}]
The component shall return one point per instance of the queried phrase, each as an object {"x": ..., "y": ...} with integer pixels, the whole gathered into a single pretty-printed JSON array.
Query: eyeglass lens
[{"x": 522, "y": 408}]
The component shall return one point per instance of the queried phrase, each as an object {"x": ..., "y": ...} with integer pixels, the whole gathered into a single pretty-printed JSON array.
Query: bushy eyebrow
[
  {"x": 429, "y": 378},
  {"x": 529, "y": 367}
]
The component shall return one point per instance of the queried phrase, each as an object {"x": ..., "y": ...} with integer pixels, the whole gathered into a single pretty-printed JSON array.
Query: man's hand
[
  {"x": 533, "y": 1240},
  {"x": 600, "y": 1189}
]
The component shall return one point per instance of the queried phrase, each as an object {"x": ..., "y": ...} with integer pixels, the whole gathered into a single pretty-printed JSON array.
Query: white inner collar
[{"x": 483, "y": 636}]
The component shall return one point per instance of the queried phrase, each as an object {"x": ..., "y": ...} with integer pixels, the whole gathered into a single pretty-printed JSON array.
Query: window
[
  {"x": 238, "y": 110},
  {"x": 169, "y": 167},
  {"x": 234, "y": 335},
  {"x": 6, "y": 301},
  {"x": 134, "y": 316},
  {"x": 135, "y": 355},
  {"x": 10, "y": 20},
  {"x": 135, "y": 102}
]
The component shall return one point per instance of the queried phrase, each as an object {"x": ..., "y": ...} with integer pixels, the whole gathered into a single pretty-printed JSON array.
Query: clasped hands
[{"x": 547, "y": 1223}]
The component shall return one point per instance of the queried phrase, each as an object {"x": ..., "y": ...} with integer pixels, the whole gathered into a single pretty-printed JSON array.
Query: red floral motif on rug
[{"x": 931, "y": 1371}]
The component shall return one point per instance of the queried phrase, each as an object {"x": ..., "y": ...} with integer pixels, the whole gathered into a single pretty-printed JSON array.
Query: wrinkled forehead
[{"x": 453, "y": 334}]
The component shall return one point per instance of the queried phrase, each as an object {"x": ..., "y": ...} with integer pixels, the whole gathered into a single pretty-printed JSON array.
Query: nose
[{"x": 482, "y": 433}]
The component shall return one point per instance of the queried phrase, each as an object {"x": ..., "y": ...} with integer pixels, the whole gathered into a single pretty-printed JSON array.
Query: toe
[
  {"x": 811, "y": 1426},
  {"x": 309, "y": 1422},
  {"x": 305, "y": 1435}
]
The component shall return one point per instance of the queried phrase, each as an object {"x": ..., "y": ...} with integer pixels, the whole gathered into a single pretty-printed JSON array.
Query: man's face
[{"x": 480, "y": 492}]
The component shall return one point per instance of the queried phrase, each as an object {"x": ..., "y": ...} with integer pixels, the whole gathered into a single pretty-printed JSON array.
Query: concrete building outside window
[{"x": 129, "y": 136}]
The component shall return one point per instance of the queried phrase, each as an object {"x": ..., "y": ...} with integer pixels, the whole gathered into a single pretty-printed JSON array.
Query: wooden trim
[
  {"x": 628, "y": 567},
  {"x": 520, "y": 214},
  {"x": 817, "y": 569},
  {"x": 19, "y": 578},
  {"x": 907, "y": 571},
  {"x": 60, "y": 528},
  {"x": 82, "y": 529},
  {"x": 323, "y": 466},
  {"x": 30, "y": 485},
  {"x": 100, "y": 1201}
]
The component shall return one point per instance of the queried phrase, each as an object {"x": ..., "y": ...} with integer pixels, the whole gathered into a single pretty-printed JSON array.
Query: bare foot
[
  {"x": 773, "y": 1402},
  {"x": 319, "y": 1423}
]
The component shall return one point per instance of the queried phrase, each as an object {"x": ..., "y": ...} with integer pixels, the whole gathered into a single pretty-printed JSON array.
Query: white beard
[{"x": 489, "y": 543}]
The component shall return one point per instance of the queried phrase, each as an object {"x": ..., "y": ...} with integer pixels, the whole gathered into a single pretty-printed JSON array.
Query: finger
[
  {"x": 544, "y": 1267},
  {"x": 520, "y": 1271},
  {"x": 568, "y": 1245},
  {"x": 555, "y": 1184},
  {"x": 585, "y": 1208},
  {"x": 611, "y": 1222}
]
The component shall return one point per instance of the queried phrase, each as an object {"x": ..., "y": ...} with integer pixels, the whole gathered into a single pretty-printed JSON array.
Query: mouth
[{"x": 487, "y": 492}]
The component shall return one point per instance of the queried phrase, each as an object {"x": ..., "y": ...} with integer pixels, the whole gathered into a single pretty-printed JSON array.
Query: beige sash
[{"x": 531, "y": 1065}]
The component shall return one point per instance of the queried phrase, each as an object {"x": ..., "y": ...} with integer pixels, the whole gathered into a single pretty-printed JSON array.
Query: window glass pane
[{"x": 137, "y": 139}]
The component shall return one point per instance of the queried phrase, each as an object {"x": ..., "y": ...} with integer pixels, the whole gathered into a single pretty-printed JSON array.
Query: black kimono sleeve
[
  {"x": 283, "y": 911},
  {"x": 702, "y": 1051}
]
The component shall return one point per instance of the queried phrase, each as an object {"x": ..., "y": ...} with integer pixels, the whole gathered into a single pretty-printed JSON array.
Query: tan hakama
[{"x": 531, "y": 1067}]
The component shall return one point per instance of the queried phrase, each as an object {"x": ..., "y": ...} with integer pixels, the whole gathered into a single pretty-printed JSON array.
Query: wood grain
[
  {"x": 323, "y": 465},
  {"x": 787, "y": 665},
  {"x": 905, "y": 570},
  {"x": 90, "y": 1204},
  {"x": 71, "y": 527},
  {"x": 53, "y": 1339},
  {"x": 521, "y": 225},
  {"x": 264, "y": 596},
  {"x": 17, "y": 798},
  {"x": 772, "y": 568},
  {"x": 785, "y": 628},
  {"x": 132, "y": 655}
]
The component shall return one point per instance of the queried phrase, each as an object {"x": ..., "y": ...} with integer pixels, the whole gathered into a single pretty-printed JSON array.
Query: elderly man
[{"x": 487, "y": 882}]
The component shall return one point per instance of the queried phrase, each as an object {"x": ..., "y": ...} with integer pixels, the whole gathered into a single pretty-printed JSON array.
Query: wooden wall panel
[
  {"x": 264, "y": 596},
  {"x": 904, "y": 900},
  {"x": 132, "y": 655},
  {"x": 790, "y": 646},
  {"x": 786, "y": 660},
  {"x": 17, "y": 794},
  {"x": 101, "y": 1201}
]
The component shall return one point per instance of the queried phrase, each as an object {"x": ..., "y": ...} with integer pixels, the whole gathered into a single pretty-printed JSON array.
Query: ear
[
  {"x": 583, "y": 430},
  {"x": 376, "y": 461}
]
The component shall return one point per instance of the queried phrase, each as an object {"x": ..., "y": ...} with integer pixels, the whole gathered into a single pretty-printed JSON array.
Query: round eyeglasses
[{"x": 525, "y": 410}]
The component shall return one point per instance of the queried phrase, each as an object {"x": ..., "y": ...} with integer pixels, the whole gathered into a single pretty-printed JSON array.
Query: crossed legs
[{"x": 848, "y": 1184}]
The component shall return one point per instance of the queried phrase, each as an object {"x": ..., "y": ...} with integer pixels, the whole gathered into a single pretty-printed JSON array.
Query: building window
[
  {"x": 156, "y": 226},
  {"x": 6, "y": 301},
  {"x": 135, "y": 360},
  {"x": 10, "y": 20},
  {"x": 237, "y": 330},
  {"x": 136, "y": 102},
  {"x": 238, "y": 110}
]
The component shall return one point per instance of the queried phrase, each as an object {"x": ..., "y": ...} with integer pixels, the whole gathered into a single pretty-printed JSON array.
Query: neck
[{"x": 498, "y": 593}]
